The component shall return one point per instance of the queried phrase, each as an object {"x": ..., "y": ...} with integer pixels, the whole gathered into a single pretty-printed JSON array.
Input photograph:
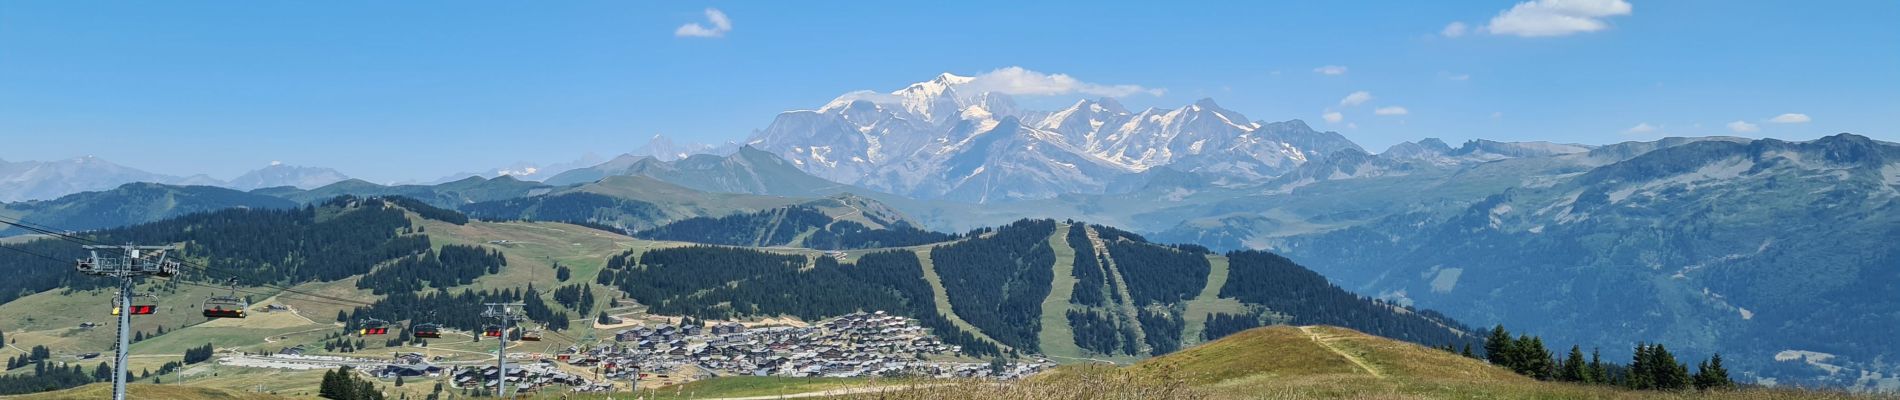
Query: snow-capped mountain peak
[
  {"x": 923, "y": 139},
  {"x": 280, "y": 174}
]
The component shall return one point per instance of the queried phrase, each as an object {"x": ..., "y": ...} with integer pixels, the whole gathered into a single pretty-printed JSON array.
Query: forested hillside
[
  {"x": 577, "y": 208},
  {"x": 340, "y": 238},
  {"x": 721, "y": 282},
  {"x": 447, "y": 194},
  {"x": 132, "y": 203},
  {"x": 797, "y": 226},
  {"x": 624, "y": 204},
  {"x": 1129, "y": 297}
]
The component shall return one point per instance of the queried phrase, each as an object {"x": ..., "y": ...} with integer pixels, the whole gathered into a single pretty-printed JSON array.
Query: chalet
[{"x": 629, "y": 335}]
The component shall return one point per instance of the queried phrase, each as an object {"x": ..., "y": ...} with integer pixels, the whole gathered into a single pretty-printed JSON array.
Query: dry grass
[
  {"x": 1072, "y": 382},
  {"x": 1288, "y": 363},
  {"x": 104, "y": 390}
]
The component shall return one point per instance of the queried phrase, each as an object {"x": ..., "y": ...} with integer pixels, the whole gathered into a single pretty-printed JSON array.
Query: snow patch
[
  {"x": 1497, "y": 214},
  {"x": 1711, "y": 174},
  {"x": 1446, "y": 280}
]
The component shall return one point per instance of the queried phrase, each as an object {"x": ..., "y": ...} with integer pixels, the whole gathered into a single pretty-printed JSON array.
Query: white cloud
[
  {"x": 1331, "y": 70},
  {"x": 1333, "y": 117},
  {"x": 1022, "y": 81},
  {"x": 720, "y": 25},
  {"x": 1459, "y": 77},
  {"x": 1356, "y": 98},
  {"x": 1743, "y": 127},
  {"x": 1392, "y": 110},
  {"x": 1544, "y": 18},
  {"x": 1454, "y": 29},
  {"x": 1790, "y": 118},
  {"x": 276, "y": 163},
  {"x": 1644, "y": 127},
  {"x": 1497, "y": 115},
  {"x": 1352, "y": 125}
]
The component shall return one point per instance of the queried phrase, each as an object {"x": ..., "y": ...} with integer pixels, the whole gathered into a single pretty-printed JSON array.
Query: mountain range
[
  {"x": 45, "y": 180},
  {"x": 931, "y": 141},
  {"x": 1770, "y": 252}
]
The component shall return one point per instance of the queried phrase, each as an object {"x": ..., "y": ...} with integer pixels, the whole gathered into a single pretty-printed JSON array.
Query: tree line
[
  {"x": 1280, "y": 285},
  {"x": 1092, "y": 286},
  {"x": 583, "y": 208},
  {"x": 578, "y": 297},
  {"x": 997, "y": 283},
  {"x": 1102, "y": 332},
  {"x": 1652, "y": 367},
  {"x": 784, "y": 225},
  {"x": 455, "y": 265},
  {"x": 1158, "y": 274},
  {"x": 339, "y": 238}
]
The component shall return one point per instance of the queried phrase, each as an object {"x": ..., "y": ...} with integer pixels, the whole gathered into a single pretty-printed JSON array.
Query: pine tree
[
  {"x": 1496, "y": 347},
  {"x": 1669, "y": 374},
  {"x": 1711, "y": 375},
  {"x": 1543, "y": 364},
  {"x": 1467, "y": 352},
  {"x": 1574, "y": 369},
  {"x": 1641, "y": 375},
  {"x": 1598, "y": 374}
]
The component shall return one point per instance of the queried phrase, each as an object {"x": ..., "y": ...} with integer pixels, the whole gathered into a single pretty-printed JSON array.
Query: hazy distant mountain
[
  {"x": 1750, "y": 248},
  {"x": 746, "y": 170},
  {"x": 447, "y": 195},
  {"x": 525, "y": 171},
  {"x": 624, "y": 203},
  {"x": 664, "y": 149},
  {"x": 929, "y": 140},
  {"x": 132, "y": 203},
  {"x": 38, "y": 180},
  {"x": 1435, "y": 151},
  {"x": 286, "y": 175}
]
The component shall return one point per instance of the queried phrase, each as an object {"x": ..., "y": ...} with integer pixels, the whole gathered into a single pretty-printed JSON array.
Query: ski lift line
[
  {"x": 258, "y": 293},
  {"x": 49, "y": 230},
  {"x": 46, "y": 230},
  {"x": 55, "y": 259}
]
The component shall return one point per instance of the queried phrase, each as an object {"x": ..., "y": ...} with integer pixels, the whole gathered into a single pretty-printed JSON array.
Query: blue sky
[{"x": 415, "y": 90}]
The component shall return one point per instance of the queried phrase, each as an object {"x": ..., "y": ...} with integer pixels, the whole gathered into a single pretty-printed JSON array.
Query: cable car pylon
[
  {"x": 137, "y": 262},
  {"x": 507, "y": 315}
]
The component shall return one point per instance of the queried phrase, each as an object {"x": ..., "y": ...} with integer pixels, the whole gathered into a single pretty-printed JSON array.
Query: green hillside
[
  {"x": 128, "y": 204},
  {"x": 838, "y": 222}
]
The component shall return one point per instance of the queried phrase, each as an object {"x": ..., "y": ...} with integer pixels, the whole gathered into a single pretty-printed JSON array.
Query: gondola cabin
[
  {"x": 138, "y": 309},
  {"x": 531, "y": 336},
  {"x": 373, "y": 327},
  {"x": 428, "y": 331},
  {"x": 227, "y": 306},
  {"x": 491, "y": 331},
  {"x": 216, "y": 311}
]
